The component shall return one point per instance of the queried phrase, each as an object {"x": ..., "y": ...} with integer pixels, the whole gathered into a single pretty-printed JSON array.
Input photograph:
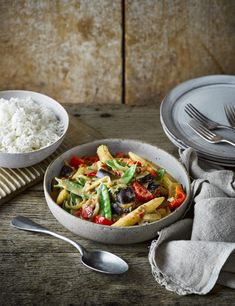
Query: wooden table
[{"x": 41, "y": 270}]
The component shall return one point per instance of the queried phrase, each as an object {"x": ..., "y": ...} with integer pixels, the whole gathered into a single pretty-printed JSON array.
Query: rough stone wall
[{"x": 75, "y": 50}]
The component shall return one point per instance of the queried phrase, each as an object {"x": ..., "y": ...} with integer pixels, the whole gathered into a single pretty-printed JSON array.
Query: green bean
[
  {"x": 105, "y": 206},
  {"x": 128, "y": 175},
  {"x": 71, "y": 186},
  {"x": 116, "y": 165}
]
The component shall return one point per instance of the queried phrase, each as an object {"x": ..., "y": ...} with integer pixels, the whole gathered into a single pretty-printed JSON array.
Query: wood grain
[
  {"x": 70, "y": 50},
  {"x": 120, "y": 51},
  {"x": 42, "y": 270},
  {"x": 137, "y": 122},
  {"x": 169, "y": 41}
]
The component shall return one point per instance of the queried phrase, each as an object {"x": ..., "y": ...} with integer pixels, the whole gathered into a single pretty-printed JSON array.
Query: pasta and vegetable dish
[{"x": 117, "y": 190}]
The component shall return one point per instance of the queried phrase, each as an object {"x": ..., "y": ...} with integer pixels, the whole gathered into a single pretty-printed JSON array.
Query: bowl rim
[
  {"x": 65, "y": 129},
  {"x": 47, "y": 193}
]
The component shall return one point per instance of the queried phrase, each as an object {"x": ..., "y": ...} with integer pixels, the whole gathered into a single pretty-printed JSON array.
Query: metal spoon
[{"x": 101, "y": 261}]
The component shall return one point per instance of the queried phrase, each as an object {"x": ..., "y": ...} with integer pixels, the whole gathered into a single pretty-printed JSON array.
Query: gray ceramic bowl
[
  {"x": 21, "y": 160},
  {"x": 114, "y": 235}
]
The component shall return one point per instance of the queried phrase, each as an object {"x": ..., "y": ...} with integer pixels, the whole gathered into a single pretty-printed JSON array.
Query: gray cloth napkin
[{"x": 191, "y": 255}]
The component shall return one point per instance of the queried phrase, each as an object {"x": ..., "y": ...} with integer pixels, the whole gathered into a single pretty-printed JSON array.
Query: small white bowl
[
  {"x": 115, "y": 235},
  {"x": 21, "y": 160}
]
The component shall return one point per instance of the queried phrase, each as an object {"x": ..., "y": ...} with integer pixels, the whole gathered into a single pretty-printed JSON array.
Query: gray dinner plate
[
  {"x": 207, "y": 159},
  {"x": 208, "y": 94}
]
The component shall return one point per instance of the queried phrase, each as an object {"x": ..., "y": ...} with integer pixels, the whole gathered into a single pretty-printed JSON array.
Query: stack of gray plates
[{"x": 208, "y": 94}]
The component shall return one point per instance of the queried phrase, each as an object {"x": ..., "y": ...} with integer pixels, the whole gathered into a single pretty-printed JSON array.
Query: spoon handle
[{"x": 26, "y": 224}]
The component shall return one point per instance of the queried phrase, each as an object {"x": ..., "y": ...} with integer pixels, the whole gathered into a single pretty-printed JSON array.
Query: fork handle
[
  {"x": 222, "y": 126},
  {"x": 228, "y": 141}
]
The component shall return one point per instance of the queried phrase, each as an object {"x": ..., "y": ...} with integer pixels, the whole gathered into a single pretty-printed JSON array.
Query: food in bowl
[
  {"x": 113, "y": 234},
  {"x": 26, "y": 155},
  {"x": 116, "y": 189},
  {"x": 26, "y": 125}
]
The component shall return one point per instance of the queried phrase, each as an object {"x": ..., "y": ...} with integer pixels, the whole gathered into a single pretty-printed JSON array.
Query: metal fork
[
  {"x": 210, "y": 124},
  {"x": 230, "y": 114},
  {"x": 205, "y": 133}
]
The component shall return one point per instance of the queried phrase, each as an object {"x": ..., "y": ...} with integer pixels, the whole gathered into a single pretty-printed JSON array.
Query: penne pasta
[
  {"x": 81, "y": 170},
  {"x": 143, "y": 161},
  {"x": 104, "y": 154},
  {"x": 93, "y": 185},
  {"x": 170, "y": 184},
  {"x": 162, "y": 212},
  {"x": 137, "y": 215},
  {"x": 63, "y": 195},
  {"x": 152, "y": 217},
  {"x": 137, "y": 158}
]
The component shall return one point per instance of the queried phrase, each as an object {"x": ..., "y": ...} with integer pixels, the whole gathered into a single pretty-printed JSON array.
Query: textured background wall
[
  {"x": 70, "y": 49},
  {"x": 170, "y": 41},
  {"x": 113, "y": 51}
]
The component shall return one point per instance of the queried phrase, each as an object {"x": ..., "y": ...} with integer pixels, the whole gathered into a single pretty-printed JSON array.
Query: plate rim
[{"x": 180, "y": 90}]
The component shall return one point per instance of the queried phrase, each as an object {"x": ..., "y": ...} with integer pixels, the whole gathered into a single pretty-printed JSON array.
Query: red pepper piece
[
  {"x": 141, "y": 214},
  {"x": 142, "y": 193},
  {"x": 78, "y": 212},
  {"x": 87, "y": 212},
  {"x": 117, "y": 172},
  {"x": 120, "y": 155},
  {"x": 91, "y": 174},
  {"x": 89, "y": 160},
  {"x": 180, "y": 196},
  {"x": 102, "y": 220},
  {"x": 76, "y": 161},
  {"x": 151, "y": 171},
  {"x": 133, "y": 162}
]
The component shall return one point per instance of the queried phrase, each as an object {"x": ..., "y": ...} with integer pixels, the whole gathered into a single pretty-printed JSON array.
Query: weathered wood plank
[
  {"x": 59, "y": 279},
  {"x": 137, "y": 122},
  {"x": 169, "y": 41},
  {"x": 70, "y": 50},
  {"x": 42, "y": 270}
]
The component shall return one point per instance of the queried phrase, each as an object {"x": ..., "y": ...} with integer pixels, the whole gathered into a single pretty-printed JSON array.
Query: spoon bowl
[
  {"x": 97, "y": 260},
  {"x": 105, "y": 262}
]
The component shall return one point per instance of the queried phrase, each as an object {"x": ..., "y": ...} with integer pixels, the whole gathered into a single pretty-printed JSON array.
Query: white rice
[{"x": 26, "y": 126}]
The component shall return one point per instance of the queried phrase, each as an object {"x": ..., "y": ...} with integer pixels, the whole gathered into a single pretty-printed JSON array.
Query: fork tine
[
  {"x": 208, "y": 132},
  {"x": 230, "y": 114},
  {"x": 209, "y": 136},
  {"x": 232, "y": 111},
  {"x": 196, "y": 111},
  {"x": 195, "y": 126},
  {"x": 227, "y": 113},
  {"x": 192, "y": 114},
  {"x": 203, "y": 134},
  {"x": 202, "y": 130},
  {"x": 195, "y": 115}
]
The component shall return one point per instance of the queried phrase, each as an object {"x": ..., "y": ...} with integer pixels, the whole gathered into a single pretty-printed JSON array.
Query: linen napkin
[{"x": 191, "y": 255}]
